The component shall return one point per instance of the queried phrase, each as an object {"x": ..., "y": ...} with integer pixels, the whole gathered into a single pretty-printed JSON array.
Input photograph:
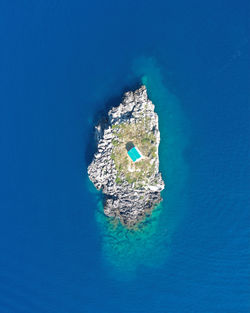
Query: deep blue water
[{"x": 61, "y": 64}]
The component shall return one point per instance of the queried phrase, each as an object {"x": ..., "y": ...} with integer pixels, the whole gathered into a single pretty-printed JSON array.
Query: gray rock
[{"x": 126, "y": 201}]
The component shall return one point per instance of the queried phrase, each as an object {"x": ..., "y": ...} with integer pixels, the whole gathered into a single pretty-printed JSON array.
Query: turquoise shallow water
[
  {"x": 127, "y": 250},
  {"x": 62, "y": 64}
]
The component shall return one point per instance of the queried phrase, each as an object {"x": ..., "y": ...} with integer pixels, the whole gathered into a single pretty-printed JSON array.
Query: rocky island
[{"x": 126, "y": 164}]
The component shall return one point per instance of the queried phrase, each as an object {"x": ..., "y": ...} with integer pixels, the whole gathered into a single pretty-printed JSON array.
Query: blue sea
[{"x": 63, "y": 64}]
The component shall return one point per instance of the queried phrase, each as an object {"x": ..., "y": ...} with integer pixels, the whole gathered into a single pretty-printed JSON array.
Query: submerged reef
[{"x": 126, "y": 164}]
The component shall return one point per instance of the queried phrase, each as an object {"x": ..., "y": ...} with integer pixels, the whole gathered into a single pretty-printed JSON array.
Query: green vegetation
[
  {"x": 118, "y": 180},
  {"x": 145, "y": 141},
  {"x": 115, "y": 142}
]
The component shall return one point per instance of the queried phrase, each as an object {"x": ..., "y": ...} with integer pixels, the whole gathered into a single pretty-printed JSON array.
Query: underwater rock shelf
[{"x": 126, "y": 164}]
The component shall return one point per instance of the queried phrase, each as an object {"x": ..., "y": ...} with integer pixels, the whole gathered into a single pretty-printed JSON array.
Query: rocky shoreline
[{"x": 131, "y": 189}]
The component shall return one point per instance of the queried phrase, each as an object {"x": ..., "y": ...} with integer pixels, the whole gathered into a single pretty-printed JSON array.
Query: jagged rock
[{"x": 131, "y": 190}]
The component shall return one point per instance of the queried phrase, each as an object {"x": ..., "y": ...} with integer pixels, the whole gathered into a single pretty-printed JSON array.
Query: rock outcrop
[{"x": 131, "y": 189}]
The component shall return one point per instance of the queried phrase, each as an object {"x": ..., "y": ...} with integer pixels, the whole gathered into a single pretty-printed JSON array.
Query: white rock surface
[{"x": 124, "y": 201}]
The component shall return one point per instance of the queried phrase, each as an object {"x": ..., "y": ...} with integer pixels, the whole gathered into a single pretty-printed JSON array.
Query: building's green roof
[{"x": 134, "y": 154}]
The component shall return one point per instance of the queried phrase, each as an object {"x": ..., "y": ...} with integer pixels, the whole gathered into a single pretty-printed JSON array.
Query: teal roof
[{"x": 134, "y": 154}]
